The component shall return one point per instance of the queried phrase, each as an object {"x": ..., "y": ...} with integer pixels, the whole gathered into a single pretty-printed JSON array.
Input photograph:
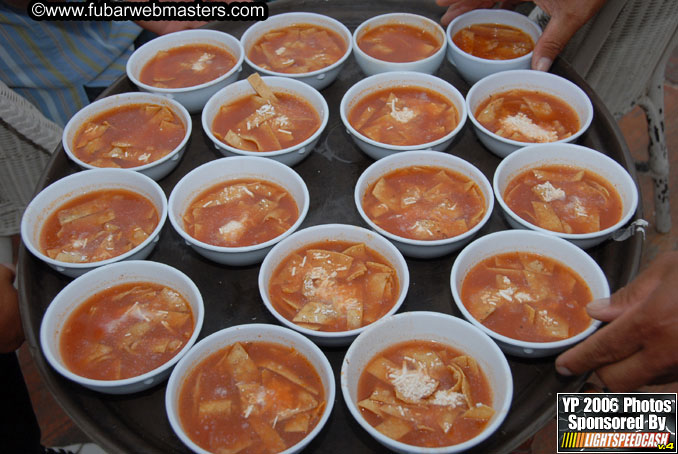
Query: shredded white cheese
[
  {"x": 412, "y": 384},
  {"x": 448, "y": 398},
  {"x": 522, "y": 124},
  {"x": 548, "y": 192},
  {"x": 201, "y": 62},
  {"x": 403, "y": 115}
]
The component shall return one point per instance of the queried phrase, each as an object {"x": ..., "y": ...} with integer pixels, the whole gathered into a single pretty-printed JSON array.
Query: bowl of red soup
[
  {"x": 308, "y": 47},
  {"x": 250, "y": 388},
  {"x": 426, "y": 382},
  {"x": 233, "y": 210},
  {"x": 513, "y": 109},
  {"x": 528, "y": 291},
  {"x": 94, "y": 218},
  {"x": 401, "y": 111},
  {"x": 144, "y": 132},
  {"x": 486, "y": 41},
  {"x": 271, "y": 117},
  {"x": 565, "y": 190},
  {"x": 426, "y": 202},
  {"x": 188, "y": 66},
  {"x": 399, "y": 42},
  {"x": 331, "y": 281},
  {"x": 121, "y": 328}
]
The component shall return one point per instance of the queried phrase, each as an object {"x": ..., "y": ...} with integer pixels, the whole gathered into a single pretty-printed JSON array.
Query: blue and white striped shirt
[{"x": 51, "y": 63}]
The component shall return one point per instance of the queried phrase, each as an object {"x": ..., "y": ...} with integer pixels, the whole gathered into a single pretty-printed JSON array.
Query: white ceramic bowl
[
  {"x": 429, "y": 326},
  {"x": 428, "y": 65},
  {"x": 291, "y": 155},
  {"x": 249, "y": 333},
  {"x": 318, "y": 79},
  {"x": 537, "y": 243},
  {"x": 527, "y": 80},
  {"x": 219, "y": 171},
  {"x": 383, "y": 81},
  {"x": 61, "y": 191},
  {"x": 156, "y": 169},
  {"x": 336, "y": 232},
  {"x": 421, "y": 248},
  {"x": 571, "y": 155},
  {"x": 473, "y": 68},
  {"x": 192, "y": 98},
  {"x": 84, "y": 287}
]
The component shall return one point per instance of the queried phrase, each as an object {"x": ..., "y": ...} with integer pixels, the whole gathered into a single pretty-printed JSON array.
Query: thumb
[{"x": 552, "y": 41}]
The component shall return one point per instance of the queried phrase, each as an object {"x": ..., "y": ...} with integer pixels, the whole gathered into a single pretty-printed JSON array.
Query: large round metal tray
[{"x": 137, "y": 423}]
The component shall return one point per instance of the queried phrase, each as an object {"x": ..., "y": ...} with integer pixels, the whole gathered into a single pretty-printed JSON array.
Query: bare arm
[
  {"x": 11, "y": 331},
  {"x": 567, "y": 16},
  {"x": 638, "y": 346}
]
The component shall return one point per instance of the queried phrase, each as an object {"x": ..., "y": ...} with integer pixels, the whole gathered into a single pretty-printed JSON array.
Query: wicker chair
[
  {"x": 27, "y": 139},
  {"x": 622, "y": 53}
]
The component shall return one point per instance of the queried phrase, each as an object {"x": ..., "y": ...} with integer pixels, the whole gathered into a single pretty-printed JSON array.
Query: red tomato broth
[
  {"x": 409, "y": 415},
  {"x": 404, "y": 116},
  {"x": 564, "y": 199},
  {"x": 527, "y": 296},
  {"x": 298, "y": 48},
  {"x": 98, "y": 225},
  {"x": 333, "y": 286},
  {"x": 241, "y": 212},
  {"x": 424, "y": 203},
  {"x": 493, "y": 41},
  {"x": 221, "y": 405},
  {"x": 528, "y": 116},
  {"x": 262, "y": 126},
  {"x": 126, "y": 331},
  {"x": 398, "y": 43},
  {"x": 128, "y": 136},
  {"x": 187, "y": 66}
]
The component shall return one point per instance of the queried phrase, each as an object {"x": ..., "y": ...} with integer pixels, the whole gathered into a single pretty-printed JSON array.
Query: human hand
[
  {"x": 638, "y": 346},
  {"x": 170, "y": 26},
  {"x": 11, "y": 331},
  {"x": 567, "y": 16},
  {"x": 458, "y": 7}
]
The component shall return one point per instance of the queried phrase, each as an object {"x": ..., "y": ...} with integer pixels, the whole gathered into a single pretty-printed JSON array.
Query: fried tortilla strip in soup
[
  {"x": 424, "y": 203},
  {"x": 98, "y": 226},
  {"x": 126, "y": 331},
  {"x": 564, "y": 199},
  {"x": 265, "y": 121},
  {"x": 425, "y": 393},
  {"x": 128, "y": 136},
  {"x": 298, "y": 48},
  {"x": 527, "y": 296},
  {"x": 404, "y": 116},
  {"x": 251, "y": 398},
  {"x": 333, "y": 286}
]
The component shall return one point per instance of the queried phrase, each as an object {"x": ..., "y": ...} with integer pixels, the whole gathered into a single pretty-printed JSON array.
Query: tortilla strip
[
  {"x": 394, "y": 428},
  {"x": 288, "y": 374},
  {"x": 546, "y": 217},
  {"x": 212, "y": 408},
  {"x": 234, "y": 140},
  {"x": 240, "y": 365},
  {"x": 298, "y": 423},
  {"x": 268, "y": 435},
  {"x": 381, "y": 367},
  {"x": 462, "y": 384},
  {"x": 235, "y": 447},
  {"x": 261, "y": 88},
  {"x": 316, "y": 313},
  {"x": 481, "y": 412}
]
